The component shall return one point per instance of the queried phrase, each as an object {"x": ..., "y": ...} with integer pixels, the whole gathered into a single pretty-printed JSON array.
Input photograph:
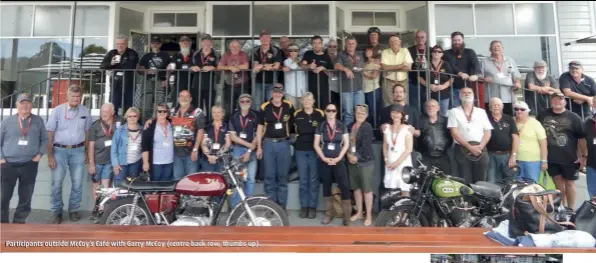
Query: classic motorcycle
[
  {"x": 442, "y": 200},
  {"x": 195, "y": 200}
]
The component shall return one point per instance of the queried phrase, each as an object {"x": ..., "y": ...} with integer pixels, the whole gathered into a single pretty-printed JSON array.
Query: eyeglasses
[
  {"x": 162, "y": 111},
  {"x": 331, "y": 110},
  {"x": 293, "y": 51},
  {"x": 437, "y": 51},
  {"x": 520, "y": 109},
  {"x": 245, "y": 101},
  {"x": 332, "y": 46},
  {"x": 132, "y": 116}
]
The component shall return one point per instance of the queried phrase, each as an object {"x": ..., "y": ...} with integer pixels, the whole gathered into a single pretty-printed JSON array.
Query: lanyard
[
  {"x": 135, "y": 138},
  {"x": 66, "y": 114},
  {"x": 468, "y": 117},
  {"x": 499, "y": 68},
  {"x": 165, "y": 130},
  {"x": 107, "y": 133},
  {"x": 185, "y": 58},
  {"x": 24, "y": 131},
  {"x": 352, "y": 59},
  {"x": 330, "y": 134},
  {"x": 436, "y": 69},
  {"x": 263, "y": 57},
  {"x": 355, "y": 131},
  {"x": 278, "y": 115},
  {"x": 216, "y": 133},
  {"x": 394, "y": 138},
  {"x": 204, "y": 59},
  {"x": 244, "y": 122}
]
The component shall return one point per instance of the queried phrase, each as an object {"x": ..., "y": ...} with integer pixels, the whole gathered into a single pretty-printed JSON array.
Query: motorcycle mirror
[
  {"x": 419, "y": 156},
  {"x": 207, "y": 143}
]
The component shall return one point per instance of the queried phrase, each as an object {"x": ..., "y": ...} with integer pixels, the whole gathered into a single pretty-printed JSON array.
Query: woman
[
  {"x": 501, "y": 77},
  {"x": 440, "y": 79},
  {"x": 158, "y": 146},
  {"x": 306, "y": 122},
  {"x": 372, "y": 89},
  {"x": 125, "y": 153},
  {"x": 331, "y": 144},
  {"x": 361, "y": 163},
  {"x": 294, "y": 78},
  {"x": 217, "y": 132},
  {"x": 532, "y": 150},
  {"x": 397, "y": 150}
]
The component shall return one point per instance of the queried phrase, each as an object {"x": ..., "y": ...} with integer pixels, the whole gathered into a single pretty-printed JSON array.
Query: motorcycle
[
  {"x": 195, "y": 200},
  {"x": 440, "y": 200}
]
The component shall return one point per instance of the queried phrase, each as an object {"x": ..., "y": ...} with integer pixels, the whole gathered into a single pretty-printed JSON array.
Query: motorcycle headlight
[
  {"x": 242, "y": 172},
  {"x": 407, "y": 175}
]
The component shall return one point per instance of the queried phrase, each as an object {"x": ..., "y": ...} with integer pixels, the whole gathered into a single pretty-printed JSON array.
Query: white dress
[{"x": 393, "y": 178}]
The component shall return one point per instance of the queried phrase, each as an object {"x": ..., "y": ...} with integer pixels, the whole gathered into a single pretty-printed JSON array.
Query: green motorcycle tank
[{"x": 447, "y": 188}]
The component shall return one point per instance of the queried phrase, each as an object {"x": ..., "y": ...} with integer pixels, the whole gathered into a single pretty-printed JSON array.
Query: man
[
  {"x": 418, "y": 53},
  {"x": 471, "y": 130},
  {"x": 188, "y": 124},
  {"x": 181, "y": 76},
  {"x": 590, "y": 128},
  {"x": 331, "y": 50},
  {"x": 100, "y": 142},
  {"x": 412, "y": 114},
  {"x": 434, "y": 140},
  {"x": 23, "y": 141},
  {"x": 350, "y": 63},
  {"x": 68, "y": 136},
  {"x": 153, "y": 66},
  {"x": 374, "y": 33},
  {"x": 243, "y": 126},
  {"x": 204, "y": 62},
  {"x": 273, "y": 132},
  {"x": 539, "y": 85},
  {"x": 236, "y": 81},
  {"x": 566, "y": 140},
  {"x": 317, "y": 62},
  {"x": 122, "y": 62},
  {"x": 503, "y": 143},
  {"x": 465, "y": 61},
  {"x": 501, "y": 76},
  {"x": 399, "y": 61},
  {"x": 267, "y": 60},
  {"x": 284, "y": 44},
  {"x": 578, "y": 87}
]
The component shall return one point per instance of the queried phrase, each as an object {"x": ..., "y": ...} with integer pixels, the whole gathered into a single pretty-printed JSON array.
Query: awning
[{"x": 587, "y": 40}]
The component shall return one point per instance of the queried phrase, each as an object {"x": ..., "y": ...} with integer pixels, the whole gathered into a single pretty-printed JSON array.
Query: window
[
  {"x": 450, "y": 18},
  {"x": 534, "y": 18},
  {"x": 275, "y": 18},
  {"x": 89, "y": 20},
  {"x": 360, "y": 18},
  {"x": 130, "y": 20},
  {"x": 224, "y": 26},
  {"x": 52, "y": 21},
  {"x": 310, "y": 19},
  {"x": 16, "y": 20},
  {"x": 494, "y": 19},
  {"x": 175, "y": 20}
]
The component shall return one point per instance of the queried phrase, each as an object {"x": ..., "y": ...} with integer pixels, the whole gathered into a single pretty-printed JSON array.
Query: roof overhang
[{"x": 587, "y": 40}]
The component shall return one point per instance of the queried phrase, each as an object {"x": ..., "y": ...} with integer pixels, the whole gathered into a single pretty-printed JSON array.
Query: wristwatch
[
  {"x": 543, "y": 161},
  {"x": 195, "y": 150},
  {"x": 249, "y": 150}
]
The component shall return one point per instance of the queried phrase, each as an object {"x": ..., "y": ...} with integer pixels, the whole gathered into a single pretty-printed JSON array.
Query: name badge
[
  {"x": 107, "y": 143},
  {"x": 500, "y": 75},
  {"x": 278, "y": 126},
  {"x": 216, "y": 146},
  {"x": 118, "y": 124},
  {"x": 184, "y": 66},
  {"x": 23, "y": 141},
  {"x": 119, "y": 73},
  {"x": 436, "y": 82},
  {"x": 243, "y": 135},
  {"x": 594, "y": 141},
  {"x": 133, "y": 147},
  {"x": 331, "y": 146},
  {"x": 333, "y": 78},
  {"x": 178, "y": 128},
  {"x": 166, "y": 144},
  {"x": 353, "y": 149}
]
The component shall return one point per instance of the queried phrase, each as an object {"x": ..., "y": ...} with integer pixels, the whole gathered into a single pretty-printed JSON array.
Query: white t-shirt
[{"x": 472, "y": 130}]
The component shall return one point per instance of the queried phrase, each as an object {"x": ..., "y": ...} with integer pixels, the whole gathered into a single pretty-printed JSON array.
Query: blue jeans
[
  {"x": 207, "y": 167},
  {"x": 413, "y": 96},
  {"x": 529, "y": 170},
  {"x": 444, "y": 107},
  {"x": 456, "y": 101},
  {"x": 277, "y": 168},
  {"x": 374, "y": 101},
  {"x": 162, "y": 172},
  {"x": 306, "y": 162},
  {"x": 251, "y": 165},
  {"x": 349, "y": 101},
  {"x": 103, "y": 172},
  {"x": 72, "y": 160},
  {"x": 183, "y": 166},
  {"x": 591, "y": 181},
  {"x": 260, "y": 94},
  {"x": 496, "y": 165},
  {"x": 131, "y": 169}
]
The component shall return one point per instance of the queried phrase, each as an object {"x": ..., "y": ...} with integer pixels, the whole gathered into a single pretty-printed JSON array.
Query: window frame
[{"x": 150, "y": 20}]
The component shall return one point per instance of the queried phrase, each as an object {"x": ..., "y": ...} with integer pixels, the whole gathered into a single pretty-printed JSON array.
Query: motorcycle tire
[
  {"x": 386, "y": 217},
  {"x": 240, "y": 212},
  {"x": 111, "y": 206}
]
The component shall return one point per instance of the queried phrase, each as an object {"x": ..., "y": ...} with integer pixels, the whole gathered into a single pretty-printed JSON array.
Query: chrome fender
[
  {"x": 241, "y": 204},
  {"x": 404, "y": 200}
]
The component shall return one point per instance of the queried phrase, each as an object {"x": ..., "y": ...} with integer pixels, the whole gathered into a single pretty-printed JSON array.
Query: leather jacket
[{"x": 434, "y": 139}]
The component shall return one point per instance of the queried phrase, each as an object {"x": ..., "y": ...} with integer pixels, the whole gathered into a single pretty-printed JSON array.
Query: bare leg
[
  {"x": 570, "y": 193},
  {"x": 105, "y": 183},
  {"x": 93, "y": 191},
  {"x": 358, "y": 197},
  {"x": 560, "y": 185},
  {"x": 368, "y": 201}
]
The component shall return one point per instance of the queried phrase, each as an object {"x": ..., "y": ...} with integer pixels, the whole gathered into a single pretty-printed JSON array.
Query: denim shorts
[{"x": 103, "y": 171}]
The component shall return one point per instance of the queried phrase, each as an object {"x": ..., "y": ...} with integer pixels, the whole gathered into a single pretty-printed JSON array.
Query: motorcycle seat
[
  {"x": 487, "y": 189},
  {"x": 144, "y": 186}
]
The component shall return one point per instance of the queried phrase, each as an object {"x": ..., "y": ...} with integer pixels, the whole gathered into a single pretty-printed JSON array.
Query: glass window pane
[
  {"x": 339, "y": 19},
  {"x": 275, "y": 18},
  {"x": 450, "y": 18},
  {"x": 224, "y": 26},
  {"x": 52, "y": 21},
  {"x": 363, "y": 18},
  {"x": 386, "y": 19},
  {"x": 186, "y": 19},
  {"x": 164, "y": 20},
  {"x": 417, "y": 19},
  {"x": 535, "y": 18},
  {"x": 310, "y": 19},
  {"x": 130, "y": 20},
  {"x": 88, "y": 20},
  {"x": 16, "y": 20},
  {"x": 494, "y": 19}
]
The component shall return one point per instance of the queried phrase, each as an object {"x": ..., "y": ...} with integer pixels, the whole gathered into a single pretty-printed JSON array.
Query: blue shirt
[
  {"x": 69, "y": 124},
  {"x": 163, "y": 147},
  {"x": 249, "y": 122},
  {"x": 221, "y": 135}
]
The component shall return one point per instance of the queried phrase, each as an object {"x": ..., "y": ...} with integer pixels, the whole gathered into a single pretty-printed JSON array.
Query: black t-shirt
[
  {"x": 305, "y": 125},
  {"x": 271, "y": 115},
  {"x": 331, "y": 138},
  {"x": 420, "y": 59},
  {"x": 500, "y": 139},
  {"x": 212, "y": 59},
  {"x": 210, "y": 132},
  {"x": 439, "y": 76},
  {"x": 245, "y": 127},
  {"x": 159, "y": 60},
  {"x": 590, "y": 129},
  {"x": 562, "y": 133},
  {"x": 183, "y": 76},
  {"x": 273, "y": 55},
  {"x": 322, "y": 80},
  {"x": 466, "y": 62},
  {"x": 586, "y": 86}
]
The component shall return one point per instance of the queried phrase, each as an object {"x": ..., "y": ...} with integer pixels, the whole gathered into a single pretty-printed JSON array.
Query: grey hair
[
  {"x": 431, "y": 100},
  {"x": 308, "y": 94},
  {"x": 132, "y": 110},
  {"x": 122, "y": 37},
  {"x": 74, "y": 88},
  {"x": 234, "y": 41},
  {"x": 109, "y": 105},
  {"x": 217, "y": 106},
  {"x": 494, "y": 100}
]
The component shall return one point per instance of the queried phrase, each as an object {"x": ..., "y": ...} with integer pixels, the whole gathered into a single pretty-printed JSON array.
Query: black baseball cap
[{"x": 155, "y": 39}]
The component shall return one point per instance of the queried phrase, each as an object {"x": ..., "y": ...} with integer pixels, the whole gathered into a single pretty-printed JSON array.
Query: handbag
[
  {"x": 585, "y": 217},
  {"x": 546, "y": 181},
  {"x": 534, "y": 213}
]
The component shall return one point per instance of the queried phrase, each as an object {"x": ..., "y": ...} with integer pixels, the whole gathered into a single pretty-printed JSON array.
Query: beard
[
  {"x": 468, "y": 100},
  {"x": 185, "y": 51},
  {"x": 458, "y": 48},
  {"x": 245, "y": 107},
  {"x": 155, "y": 50},
  {"x": 541, "y": 76}
]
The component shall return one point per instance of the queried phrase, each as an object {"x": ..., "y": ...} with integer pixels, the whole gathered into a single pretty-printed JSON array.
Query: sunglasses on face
[
  {"x": 519, "y": 109},
  {"x": 331, "y": 110},
  {"x": 437, "y": 51},
  {"x": 162, "y": 111}
]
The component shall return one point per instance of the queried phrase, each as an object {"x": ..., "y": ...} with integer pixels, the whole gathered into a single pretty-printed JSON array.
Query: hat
[
  {"x": 521, "y": 105},
  {"x": 24, "y": 97},
  {"x": 575, "y": 64},
  {"x": 264, "y": 32},
  {"x": 540, "y": 63},
  {"x": 374, "y": 29},
  {"x": 245, "y": 95},
  {"x": 277, "y": 89},
  {"x": 557, "y": 94},
  {"x": 293, "y": 47},
  {"x": 155, "y": 39},
  {"x": 206, "y": 37},
  {"x": 396, "y": 107},
  {"x": 185, "y": 38}
]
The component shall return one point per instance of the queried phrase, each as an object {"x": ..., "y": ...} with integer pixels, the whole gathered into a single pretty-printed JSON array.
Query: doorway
[{"x": 170, "y": 42}]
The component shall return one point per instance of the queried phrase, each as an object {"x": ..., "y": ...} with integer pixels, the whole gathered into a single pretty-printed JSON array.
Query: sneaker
[
  {"x": 57, "y": 219},
  {"x": 74, "y": 216}
]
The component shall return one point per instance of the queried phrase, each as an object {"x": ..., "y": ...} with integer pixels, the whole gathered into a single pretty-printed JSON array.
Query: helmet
[{"x": 374, "y": 29}]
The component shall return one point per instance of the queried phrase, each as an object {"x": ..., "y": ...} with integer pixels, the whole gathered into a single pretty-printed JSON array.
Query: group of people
[{"x": 327, "y": 148}]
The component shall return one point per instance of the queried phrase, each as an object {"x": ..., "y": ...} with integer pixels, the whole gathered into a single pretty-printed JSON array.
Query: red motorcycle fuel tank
[{"x": 202, "y": 184}]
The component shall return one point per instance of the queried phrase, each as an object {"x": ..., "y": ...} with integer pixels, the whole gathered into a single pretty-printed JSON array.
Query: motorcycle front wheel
[
  {"x": 118, "y": 213},
  {"x": 266, "y": 212},
  {"x": 401, "y": 216}
]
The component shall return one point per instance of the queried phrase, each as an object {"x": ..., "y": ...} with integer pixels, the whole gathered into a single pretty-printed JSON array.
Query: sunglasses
[
  {"x": 162, "y": 111},
  {"x": 437, "y": 51},
  {"x": 133, "y": 116},
  {"x": 331, "y": 110},
  {"x": 331, "y": 46},
  {"x": 520, "y": 109},
  {"x": 245, "y": 101}
]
